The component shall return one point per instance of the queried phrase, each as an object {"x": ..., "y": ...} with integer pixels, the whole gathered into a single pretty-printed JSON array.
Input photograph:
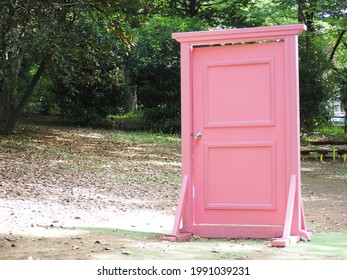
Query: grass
[
  {"x": 333, "y": 132},
  {"x": 130, "y": 128},
  {"x": 331, "y": 244},
  {"x": 145, "y": 137},
  {"x": 326, "y": 132},
  {"x": 137, "y": 235},
  {"x": 129, "y": 121}
]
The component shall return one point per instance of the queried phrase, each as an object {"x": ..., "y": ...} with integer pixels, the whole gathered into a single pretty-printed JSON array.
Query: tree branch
[
  {"x": 337, "y": 44},
  {"x": 40, "y": 71}
]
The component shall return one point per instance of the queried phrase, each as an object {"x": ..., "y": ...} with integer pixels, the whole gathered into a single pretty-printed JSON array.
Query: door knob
[{"x": 197, "y": 135}]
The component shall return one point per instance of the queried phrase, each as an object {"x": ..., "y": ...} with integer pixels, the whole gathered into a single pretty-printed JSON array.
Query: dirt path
[{"x": 68, "y": 193}]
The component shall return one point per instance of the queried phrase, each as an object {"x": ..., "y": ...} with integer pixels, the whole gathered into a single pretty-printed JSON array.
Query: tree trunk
[
  {"x": 7, "y": 94},
  {"x": 5, "y": 99},
  {"x": 306, "y": 14},
  {"x": 12, "y": 116},
  {"x": 337, "y": 44}
]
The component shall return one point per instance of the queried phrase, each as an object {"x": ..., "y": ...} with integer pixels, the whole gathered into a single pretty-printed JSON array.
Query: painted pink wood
[
  {"x": 186, "y": 128},
  {"x": 238, "y": 102},
  {"x": 243, "y": 100},
  {"x": 179, "y": 210},
  {"x": 239, "y": 35},
  {"x": 290, "y": 207}
]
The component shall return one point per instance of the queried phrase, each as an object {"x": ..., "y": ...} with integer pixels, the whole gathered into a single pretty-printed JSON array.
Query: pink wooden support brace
[
  {"x": 176, "y": 235},
  {"x": 287, "y": 238}
]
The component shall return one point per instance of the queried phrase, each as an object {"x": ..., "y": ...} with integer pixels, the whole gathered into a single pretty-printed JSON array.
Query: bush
[{"x": 87, "y": 105}]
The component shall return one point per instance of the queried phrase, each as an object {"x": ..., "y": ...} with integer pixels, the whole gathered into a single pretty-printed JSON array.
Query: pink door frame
[{"x": 293, "y": 223}]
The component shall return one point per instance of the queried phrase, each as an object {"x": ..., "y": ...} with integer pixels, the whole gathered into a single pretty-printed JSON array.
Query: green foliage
[
  {"x": 90, "y": 79},
  {"x": 81, "y": 42},
  {"x": 343, "y": 86},
  {"x": 155, "y": 65},
  {"x": 320, "y": 58},
  {"x": 217, "y": 13},
  {"x": 231, "y": 13},
  {"x": 320, "y": 55},
  {"x": 332, "y": 132},
  {"x": 86, "y": 104},
  {"x": 316, "y": 85},
  {"x": 88, "y": 59},
  {"x": 129, "y": 121},
  {"x": 326, "y": 132}
]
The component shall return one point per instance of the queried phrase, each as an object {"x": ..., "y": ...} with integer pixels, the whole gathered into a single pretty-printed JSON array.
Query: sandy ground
[
  {"x": 48, "y": 230},
  {"x": 36, "y": 218}
]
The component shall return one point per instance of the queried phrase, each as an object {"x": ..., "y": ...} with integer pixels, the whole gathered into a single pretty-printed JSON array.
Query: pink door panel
[{"x": 237, "y": 108}]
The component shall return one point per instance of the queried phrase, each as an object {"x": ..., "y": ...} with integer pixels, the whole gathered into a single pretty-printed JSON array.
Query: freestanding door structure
[{"x": 240, "y": 135}]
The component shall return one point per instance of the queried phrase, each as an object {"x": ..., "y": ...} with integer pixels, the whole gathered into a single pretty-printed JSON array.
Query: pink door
[
  {"x": 238, "y": 123},
  {"x": 240, "y": 134}
]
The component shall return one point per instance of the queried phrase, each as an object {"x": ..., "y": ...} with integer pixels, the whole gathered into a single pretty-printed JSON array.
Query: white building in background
[
  {"x": 338, "y": 109},
  {"x": 339, "y": 114}
]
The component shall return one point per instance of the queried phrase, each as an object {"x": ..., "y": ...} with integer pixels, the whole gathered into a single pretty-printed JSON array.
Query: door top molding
[{"x": 239, "y": 34}]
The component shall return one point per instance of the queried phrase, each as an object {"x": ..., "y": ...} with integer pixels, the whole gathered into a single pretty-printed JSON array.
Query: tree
[
  {"x": 326, "y": 25},
  {"x": 89, "y": 79},
  {"x": 216, "y": 13},
  {"x": 155, "y": 70},
  {"x": 35, "y": 35},
  {"x": 17, "y": 27},
  {"x": 320, "y": 51}
]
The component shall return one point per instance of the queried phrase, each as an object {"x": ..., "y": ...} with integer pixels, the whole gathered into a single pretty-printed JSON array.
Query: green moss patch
[{"x": 323, "y": 244}]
